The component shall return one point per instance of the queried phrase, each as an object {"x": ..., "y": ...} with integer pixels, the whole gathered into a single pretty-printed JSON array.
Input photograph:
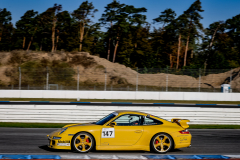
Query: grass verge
[
  {"x": 60, "y": 125},
  {"x": 32, "y": 125},
  {"x": 117, "y": 100},
  {"x": 210, "y": 126}
]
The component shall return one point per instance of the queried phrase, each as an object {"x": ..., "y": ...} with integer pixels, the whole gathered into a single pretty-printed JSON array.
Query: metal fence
[{"x": 119, "y": 79}]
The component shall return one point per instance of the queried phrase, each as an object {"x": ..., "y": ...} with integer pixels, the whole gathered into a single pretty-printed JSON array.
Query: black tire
[
  {"x": 83, "y": 142},
  {"x": 161, "y": 143}
]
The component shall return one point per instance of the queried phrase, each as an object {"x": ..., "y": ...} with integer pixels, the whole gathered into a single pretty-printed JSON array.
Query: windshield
[{"x": 106, "y": 119}]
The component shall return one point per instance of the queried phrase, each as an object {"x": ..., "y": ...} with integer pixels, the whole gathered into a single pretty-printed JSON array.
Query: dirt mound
[
  {"x": 96, "y": 70},
  {"x": 216, "y": 80}
]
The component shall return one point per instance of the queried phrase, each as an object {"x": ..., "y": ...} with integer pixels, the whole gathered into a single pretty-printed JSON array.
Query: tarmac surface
[{"x": 34, "y": 141}]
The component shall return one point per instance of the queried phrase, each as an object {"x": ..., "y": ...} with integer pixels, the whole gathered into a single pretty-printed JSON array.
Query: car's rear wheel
[
  {"x": 83, "y": 142},
  {"x": 161, "y": 143}
]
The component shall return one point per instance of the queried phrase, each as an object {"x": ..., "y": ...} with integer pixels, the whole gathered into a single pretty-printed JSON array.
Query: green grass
[
  {"x": 116, "y": 100},
  {"x": 60, "y": 125},
  {"x": 32, "y": 125},
  {"x": 210, "y": 126}
]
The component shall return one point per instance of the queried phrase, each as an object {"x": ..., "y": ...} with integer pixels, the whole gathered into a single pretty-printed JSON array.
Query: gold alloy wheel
[
  {"x": 83, "y": 142},
  {"x": 162, "y": 143}
]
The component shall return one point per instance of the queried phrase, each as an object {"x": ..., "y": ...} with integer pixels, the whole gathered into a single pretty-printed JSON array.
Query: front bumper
[{"x": 59, "y": 143}]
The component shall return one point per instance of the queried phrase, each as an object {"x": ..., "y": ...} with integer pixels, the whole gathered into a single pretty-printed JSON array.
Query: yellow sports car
[{"x": 123, "y": 130}]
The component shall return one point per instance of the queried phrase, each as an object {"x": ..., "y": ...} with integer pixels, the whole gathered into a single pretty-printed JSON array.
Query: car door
[{"x": 126, "y": 132}]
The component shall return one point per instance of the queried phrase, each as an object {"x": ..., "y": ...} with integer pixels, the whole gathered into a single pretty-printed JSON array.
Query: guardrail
[
  {"x": 89, "y": 113},
  {"x": 132, "y": 95}
]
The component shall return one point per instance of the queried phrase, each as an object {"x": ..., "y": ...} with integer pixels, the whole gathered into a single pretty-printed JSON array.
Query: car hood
[{"x": 78, "y": 124}]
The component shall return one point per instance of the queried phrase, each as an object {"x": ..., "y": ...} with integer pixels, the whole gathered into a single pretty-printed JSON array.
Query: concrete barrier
[{"x": 132, "y": 95}]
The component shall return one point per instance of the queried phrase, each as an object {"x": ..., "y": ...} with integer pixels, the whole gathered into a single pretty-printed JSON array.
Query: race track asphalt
[{"x": 34, "y": 141}]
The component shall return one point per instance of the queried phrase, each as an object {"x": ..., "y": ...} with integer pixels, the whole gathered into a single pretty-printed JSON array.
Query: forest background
[{"x": 180, "y": 41}]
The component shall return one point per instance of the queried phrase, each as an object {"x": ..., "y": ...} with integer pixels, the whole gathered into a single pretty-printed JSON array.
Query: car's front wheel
[
  {"x": 83, "y": 142},
  {"x": 161, "y": 143}
]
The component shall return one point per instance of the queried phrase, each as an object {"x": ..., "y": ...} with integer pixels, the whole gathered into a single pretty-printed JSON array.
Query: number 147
[{"x": 107, "y": 133}]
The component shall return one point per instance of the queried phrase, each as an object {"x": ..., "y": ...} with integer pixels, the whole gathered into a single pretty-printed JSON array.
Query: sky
[{"x": 214, "y": 10}]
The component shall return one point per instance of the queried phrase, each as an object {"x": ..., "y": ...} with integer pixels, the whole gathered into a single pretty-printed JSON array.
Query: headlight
[
  {"x": 63, "y": 129},
  {"x": 56, "y": 137}
]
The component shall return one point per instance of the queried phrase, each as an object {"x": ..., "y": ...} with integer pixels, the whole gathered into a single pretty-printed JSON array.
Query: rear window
[{"x": 151, "y": 121}]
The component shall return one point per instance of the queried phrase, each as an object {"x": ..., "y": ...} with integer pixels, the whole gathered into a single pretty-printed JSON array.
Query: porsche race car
[{"x": 123, "y": 130}]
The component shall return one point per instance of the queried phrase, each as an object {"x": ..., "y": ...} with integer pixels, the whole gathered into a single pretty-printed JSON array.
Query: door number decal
[{"x": 108, "y": 133}]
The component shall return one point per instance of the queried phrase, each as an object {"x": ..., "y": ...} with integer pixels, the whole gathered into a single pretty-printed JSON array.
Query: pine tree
[
  {"x": 193, "y": 25},
  {"x": 82, "y": 16},
  {"x": 5, "y": 18},
  {"x": 128, "y": 17},
  {"x": 213, "y": 29},
  {"x": 27, "y": 26},
  {"x": 48, "y": 20},
  {"x": 56, "y": 8},
  {"x": 166, "y": 17},
  {"x": 63, "y": 29},
  {"x": 111, "y": 10},
  {"x": 180, "y": 24}
]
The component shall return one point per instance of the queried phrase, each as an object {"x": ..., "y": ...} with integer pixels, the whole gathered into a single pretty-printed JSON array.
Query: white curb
[{"x": 233, "y": 156}]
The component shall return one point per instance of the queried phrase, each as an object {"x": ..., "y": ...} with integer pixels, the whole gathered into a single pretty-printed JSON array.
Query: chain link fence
[{"x": 119, "y": 79}]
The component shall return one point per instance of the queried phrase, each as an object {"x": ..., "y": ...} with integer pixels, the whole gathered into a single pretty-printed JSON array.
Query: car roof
[
  {"x": 120, "y": 112},
  {"x": 131, "y": 112}
]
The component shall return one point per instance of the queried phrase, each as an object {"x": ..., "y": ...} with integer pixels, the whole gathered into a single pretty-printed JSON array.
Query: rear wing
[{"x": 181, "y": 122}]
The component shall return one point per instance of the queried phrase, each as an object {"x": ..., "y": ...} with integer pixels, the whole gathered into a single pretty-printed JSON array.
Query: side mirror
[{"x": 112, "y": 124}]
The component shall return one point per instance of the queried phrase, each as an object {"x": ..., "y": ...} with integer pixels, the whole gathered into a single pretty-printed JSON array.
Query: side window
[
  {"x": 128, "y": 120},
  {"x": 151, "y": 121}
]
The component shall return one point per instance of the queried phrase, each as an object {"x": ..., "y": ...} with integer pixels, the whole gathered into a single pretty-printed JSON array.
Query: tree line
[{"x": 180, "y": 42}]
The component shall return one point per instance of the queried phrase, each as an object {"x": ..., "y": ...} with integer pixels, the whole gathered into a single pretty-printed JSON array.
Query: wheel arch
[
  {"x": 85, "y": 132},
  {"x": 159, "y": 133}
]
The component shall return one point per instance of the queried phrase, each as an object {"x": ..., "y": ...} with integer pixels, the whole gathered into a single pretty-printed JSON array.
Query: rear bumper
[
  {"x": 182, "y": 145},
  {"x": 182, "y": 140}
]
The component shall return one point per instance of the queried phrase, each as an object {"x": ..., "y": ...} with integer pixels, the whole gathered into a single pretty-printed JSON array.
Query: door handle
[{"x": 138, "y": 131}]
